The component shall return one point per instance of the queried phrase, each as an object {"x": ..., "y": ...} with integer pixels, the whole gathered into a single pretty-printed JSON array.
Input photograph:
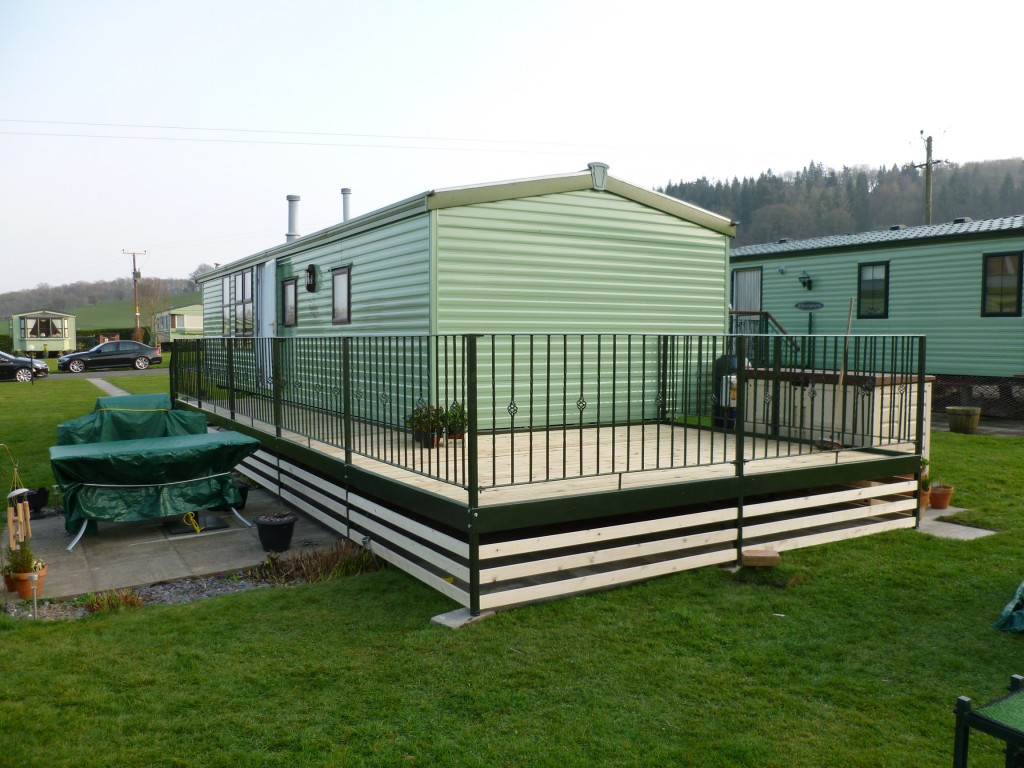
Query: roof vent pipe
[
  {"x": 293, "y": 219},
  {"x": 345, "y": 192}
]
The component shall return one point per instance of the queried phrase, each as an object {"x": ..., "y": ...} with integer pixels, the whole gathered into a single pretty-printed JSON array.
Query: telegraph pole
[
  {"x": 135, "y": 276},
  {"x": 928, "y": 163}
]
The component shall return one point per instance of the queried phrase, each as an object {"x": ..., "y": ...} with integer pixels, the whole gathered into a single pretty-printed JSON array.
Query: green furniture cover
[
  {"x": 124, "y": 480},
  {"x": 130, "y": 417}
]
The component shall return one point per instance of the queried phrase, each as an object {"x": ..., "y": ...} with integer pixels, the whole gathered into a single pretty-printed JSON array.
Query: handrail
[
  {"x": 550, "y": 407},
  {"x": 772, "y": 322}
]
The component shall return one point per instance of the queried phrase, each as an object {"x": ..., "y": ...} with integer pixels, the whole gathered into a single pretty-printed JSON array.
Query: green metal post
[
  {"x": 174, "y": 375},
  {"x": 740, "y": 435},
  {"x": 474, "y": 574},
  {"x": 473, "y": 470},
  {"x": 663, "y": 362},
  {"x": 231, "y": 377},
  {"x": 275, "y": 383},
  {"x": 776, "y": 386},
  {"x": 346, "y": 398},
  {"x": 473, "y": 480},
  {"x": 919, "y": 438}
]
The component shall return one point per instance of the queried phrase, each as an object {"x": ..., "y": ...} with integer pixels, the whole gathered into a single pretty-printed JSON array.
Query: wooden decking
[{"x": 525, "y": 466}]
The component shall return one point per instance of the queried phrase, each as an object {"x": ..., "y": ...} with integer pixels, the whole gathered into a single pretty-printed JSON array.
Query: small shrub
[
  {"x": 114, "y": 601},
  {"x": 344, "y": 558}
]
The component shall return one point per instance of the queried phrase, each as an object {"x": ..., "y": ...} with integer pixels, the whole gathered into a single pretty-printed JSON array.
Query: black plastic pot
[
  {"x": 243, "y": 488},
  {"x": 37, "y": 498},
  {"x": 275, "y": 534}
]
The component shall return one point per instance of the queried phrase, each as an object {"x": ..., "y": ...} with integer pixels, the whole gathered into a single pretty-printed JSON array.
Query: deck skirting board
[{"x": 540, "y": 551}]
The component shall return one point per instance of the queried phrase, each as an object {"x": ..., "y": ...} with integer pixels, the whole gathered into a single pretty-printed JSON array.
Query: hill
[
  {"x": 121, "y": 314},
  {"x": 818, "y": 201}
]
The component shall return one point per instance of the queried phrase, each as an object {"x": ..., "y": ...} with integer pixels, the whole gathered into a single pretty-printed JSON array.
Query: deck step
[{"x": 761, "y": 558}]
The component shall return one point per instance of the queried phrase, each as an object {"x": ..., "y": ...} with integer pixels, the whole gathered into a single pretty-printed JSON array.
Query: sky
[{"x": 176, "y": 128}]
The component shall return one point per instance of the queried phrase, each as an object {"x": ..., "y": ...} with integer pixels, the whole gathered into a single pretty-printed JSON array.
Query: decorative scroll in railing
[{"x": 507, "y": 409}]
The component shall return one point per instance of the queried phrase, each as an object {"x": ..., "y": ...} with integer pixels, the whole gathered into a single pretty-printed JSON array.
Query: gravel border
[{"x": 180, "y": 591}]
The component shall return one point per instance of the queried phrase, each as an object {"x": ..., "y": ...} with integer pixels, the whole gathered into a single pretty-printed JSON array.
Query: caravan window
[
  {"x": 873, "y": 291},
  {"x": 1000, "y": 288},
  {"x": 288, "y": 302},
  {"x": 237, "y": 304},
  {"x": 342, "y": 296}
]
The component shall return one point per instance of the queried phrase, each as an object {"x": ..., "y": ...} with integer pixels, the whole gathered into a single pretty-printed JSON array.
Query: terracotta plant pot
[
  {"x": 941, "y": 494},
  {"x": 23, "y": 585},
  {"x": 9, "y": 583},
  {"x": 925, "y": 498}
]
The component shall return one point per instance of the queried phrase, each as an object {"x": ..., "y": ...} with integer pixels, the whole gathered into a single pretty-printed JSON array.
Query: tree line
[
  {"x": 819, "y": 201},
  {"x": 62, "y": 298}
]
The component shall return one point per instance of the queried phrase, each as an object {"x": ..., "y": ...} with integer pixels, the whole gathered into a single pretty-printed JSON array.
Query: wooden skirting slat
[{"x": 377, "y": 532}]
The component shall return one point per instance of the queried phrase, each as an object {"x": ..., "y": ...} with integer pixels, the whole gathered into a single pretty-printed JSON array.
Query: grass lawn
[
  {"x": 144, "y": 385},
  {"x": 848, "y": 654}
]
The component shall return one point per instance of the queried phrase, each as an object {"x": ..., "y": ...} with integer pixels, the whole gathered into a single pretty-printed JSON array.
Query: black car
[
  {"x": 111, "y": 354},
  {"x": 21, "y": 368}
]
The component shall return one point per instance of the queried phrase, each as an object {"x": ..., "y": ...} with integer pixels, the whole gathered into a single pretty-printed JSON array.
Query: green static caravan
[
  {"x": 580, "y": 323},
  {"x": 957, "y": 283},
  {"x": 43, "y": 333},
  {"x": 176, "y": 323},
  {"x": 582, "y": 253}
]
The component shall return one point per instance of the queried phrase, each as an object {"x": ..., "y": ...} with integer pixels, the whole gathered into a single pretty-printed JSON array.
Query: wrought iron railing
[{"x": 484, "y": 411}]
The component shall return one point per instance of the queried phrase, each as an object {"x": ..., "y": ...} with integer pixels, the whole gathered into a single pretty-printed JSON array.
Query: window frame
[
  {"x": 885, "y": 290},
  {"x": 290, "y": 291},
  {"x": 335, "y": 274},
  {"x": 985, "y": 257},
  {"x": 237, "y": 303}
]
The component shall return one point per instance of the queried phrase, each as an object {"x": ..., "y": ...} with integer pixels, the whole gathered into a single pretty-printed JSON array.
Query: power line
[
  {"x": 283, "y": 143},
  {"x": 295, "y": 133}
]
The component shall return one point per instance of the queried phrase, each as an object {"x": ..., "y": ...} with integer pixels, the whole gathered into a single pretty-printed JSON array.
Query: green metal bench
[{"x": 1002, "y": 718}]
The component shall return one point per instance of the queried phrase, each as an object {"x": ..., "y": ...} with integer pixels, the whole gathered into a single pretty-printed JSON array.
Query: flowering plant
[{"x": 23, "y": 560}]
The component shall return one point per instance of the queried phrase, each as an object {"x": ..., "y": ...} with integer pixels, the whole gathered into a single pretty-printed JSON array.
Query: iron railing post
[
  {"x": 473, "y": 470},
  {"x": 173, "y": 374},
  {"x": 474, "y": 573},
  {"x": 473, "y": 479},
  {"x": 275, "y": 383},
  {"x": 663, "y": 376},
  {"x": 919, "y": 437},
  {"x": 740, "y": 434},
  {"x": 346, "y": 398},
  {"x": 231, "y": 377}
]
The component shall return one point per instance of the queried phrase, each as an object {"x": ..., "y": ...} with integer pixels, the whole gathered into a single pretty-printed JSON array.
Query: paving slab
[
  {"x": 930, "y": 524},
  {"x": 141, "y": 553}
]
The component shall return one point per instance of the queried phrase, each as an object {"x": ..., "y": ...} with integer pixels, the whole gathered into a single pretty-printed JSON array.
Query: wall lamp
[
  {"x": 311, "y": 278},
  {"x": 805, "y": 280}
]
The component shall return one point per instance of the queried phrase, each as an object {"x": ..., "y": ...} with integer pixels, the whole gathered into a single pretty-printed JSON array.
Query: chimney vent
[
  {"x": 293, "y": 219},
  {"x": 345, "y": 193}
]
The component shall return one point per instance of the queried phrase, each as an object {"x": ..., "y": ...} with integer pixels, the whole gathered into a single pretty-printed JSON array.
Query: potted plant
[
  {"x": 426, "y": 423},
  {"x": 455, "y": 421},
  {"x": 941, "y": 494},
  {"x": 275, "y": 530},
  {"x": 25, "y": 569}
]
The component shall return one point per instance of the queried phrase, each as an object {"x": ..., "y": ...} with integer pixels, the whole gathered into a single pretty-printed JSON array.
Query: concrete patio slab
[{"x": 140, "y": 553}]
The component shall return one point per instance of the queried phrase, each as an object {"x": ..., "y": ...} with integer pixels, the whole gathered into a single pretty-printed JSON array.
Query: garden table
[{"x": 125, "y": 480}]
